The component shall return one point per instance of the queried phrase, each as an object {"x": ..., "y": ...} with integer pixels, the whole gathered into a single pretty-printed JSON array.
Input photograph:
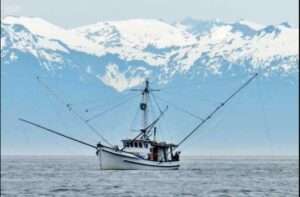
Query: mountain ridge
[{"x": 122, "y": 53}]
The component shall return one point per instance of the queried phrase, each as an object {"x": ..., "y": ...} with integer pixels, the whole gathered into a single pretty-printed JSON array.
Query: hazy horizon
[{"x": 263, "y": 12}]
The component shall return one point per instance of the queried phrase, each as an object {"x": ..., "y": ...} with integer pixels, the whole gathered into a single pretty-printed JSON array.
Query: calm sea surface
[{"x": 198, "y": 176}]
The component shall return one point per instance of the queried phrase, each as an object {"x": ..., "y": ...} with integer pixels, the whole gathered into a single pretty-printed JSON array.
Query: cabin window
[
  {"x": 135, "y": 144},
  {"x": 140, "y": 145},
  {"x": 146, "y": 145},
  {"x": 131, "y": 145}
]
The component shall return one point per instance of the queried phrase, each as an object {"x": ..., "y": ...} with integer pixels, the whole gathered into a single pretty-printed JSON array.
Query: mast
[
  {"x": 145, "y": 92},
  {"x": 144, "y": 104},
  {"x": 146, "y": 127}
]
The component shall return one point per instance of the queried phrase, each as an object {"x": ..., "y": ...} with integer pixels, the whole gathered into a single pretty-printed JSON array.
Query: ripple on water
[{"x": 79, "y": 176}]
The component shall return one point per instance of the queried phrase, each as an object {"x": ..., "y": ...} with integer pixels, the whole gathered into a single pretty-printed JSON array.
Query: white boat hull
[{"x": 110, "y": 159}]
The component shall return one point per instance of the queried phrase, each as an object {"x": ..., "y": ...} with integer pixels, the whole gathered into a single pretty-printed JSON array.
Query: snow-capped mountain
[
  {"x": 122, "y": 53},
  {"x": 196, "y": 64}
]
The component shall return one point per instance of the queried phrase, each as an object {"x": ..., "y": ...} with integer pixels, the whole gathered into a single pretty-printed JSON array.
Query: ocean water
[{"x": 198, "y": 176}]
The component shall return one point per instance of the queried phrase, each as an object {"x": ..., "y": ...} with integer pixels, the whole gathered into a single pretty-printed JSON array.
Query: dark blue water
[{"x": 198, "y": 176}]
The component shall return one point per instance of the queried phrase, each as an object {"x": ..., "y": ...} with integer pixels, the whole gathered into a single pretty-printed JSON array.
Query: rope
[
  {"x": 133, "y": 120},
  {"x": 264, "y": 118},
  {"x": 210, "y": 101},
  {"x": 217, "y": 109},
  {"x": 69, "y": 107},
  {"x": 155, "y": 101},
  {"x": 101, "y": 105},
  {"x": 181, "y": 109},
  {"x": 152, "y": 110},
  {"x": 110, "y": 109}
]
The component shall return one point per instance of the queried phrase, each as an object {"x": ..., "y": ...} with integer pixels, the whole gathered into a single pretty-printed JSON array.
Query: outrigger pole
[
  {"x": 73, "y": 111},
  {"x": 57, "y": 133},
  {"x": 217, "y": 109}
]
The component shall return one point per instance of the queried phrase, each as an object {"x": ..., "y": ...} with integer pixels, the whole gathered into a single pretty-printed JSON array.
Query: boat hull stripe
[
  {"x": 152, "y": 165},
  {"x": 120, "y": 155}
]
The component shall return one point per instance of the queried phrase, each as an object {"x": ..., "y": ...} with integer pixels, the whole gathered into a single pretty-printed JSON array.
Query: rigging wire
[
  {"x": 262, "y": 105},
  {"x": 90, "y": 102},
  {"x": 110, "y": 109},
  {"x": 133, "y": 121},
  {"x": 222, "y": 116},
  {"x": 181, "y": 109},
  {"x": 159, "y": 124},
  {"x": 264, "y": 118},
  {"x": 152, "y": 109},
  {"x": 61, "y": 122},
  {"x": 155, "y": 101},
  {"x": 69, "y": 107},
  {"x": 217, "y": 109},
  {"x": 211, "y": 101},
  {"x": 98, "y": 105}
]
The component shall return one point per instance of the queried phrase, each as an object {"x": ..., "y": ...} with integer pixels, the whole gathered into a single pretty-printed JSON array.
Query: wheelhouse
[
  {"x": 151, "y": 150},
  {"x": 138, "y": 144}
]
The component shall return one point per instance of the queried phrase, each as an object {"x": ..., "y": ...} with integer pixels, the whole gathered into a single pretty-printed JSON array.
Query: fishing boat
[{"x": 144, "y": 151}]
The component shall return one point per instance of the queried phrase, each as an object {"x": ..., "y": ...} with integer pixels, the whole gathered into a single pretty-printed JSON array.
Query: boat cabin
[
  {"x": 151, "y": 150},
  {"x": 144, "y": 147}
]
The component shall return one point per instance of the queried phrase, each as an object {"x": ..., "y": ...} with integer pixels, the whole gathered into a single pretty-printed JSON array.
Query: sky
[{"x": 69, "y": 14}]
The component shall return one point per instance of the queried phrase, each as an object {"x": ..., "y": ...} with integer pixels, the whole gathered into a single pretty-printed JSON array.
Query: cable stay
[
  {"x": 56, "y": 132},
  {"x": 151, "y": 97},
  {"x": 155, "y": 101},
  {"x": 181, "y": 109},
  {"x": 69, "y": 107},
  {"x": 211, "y": 101},
  {"x": 146, "y": 130},
  {"x": 110, "y": 108},
  {"x": 217, "y": 109},
  {"x": 133, "y": 120},
  {"x": 98, "y": 105},
  {"x": 264, "y": 119}
]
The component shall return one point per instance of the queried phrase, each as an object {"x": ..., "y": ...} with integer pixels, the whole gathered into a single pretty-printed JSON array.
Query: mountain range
[
  {"x": 196, "y": 63},
  {"x": 121, "y": 54}
]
